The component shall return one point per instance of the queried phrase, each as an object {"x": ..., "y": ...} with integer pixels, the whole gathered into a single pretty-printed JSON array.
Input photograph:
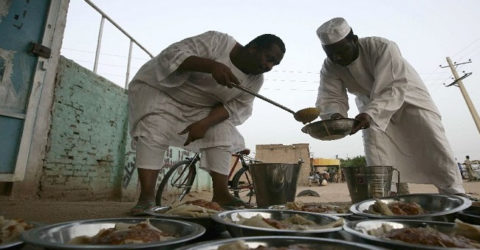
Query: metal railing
[{"x": 99, "y": 42}]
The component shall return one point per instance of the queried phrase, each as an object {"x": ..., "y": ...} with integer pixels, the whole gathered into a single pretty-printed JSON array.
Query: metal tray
[
  {"x": 436, "y": 206},
  {"x": 359, "y": 229},
  {"x": 283, "y": 207},
  {"x": 281, "y": 241},
  {"x": 238, "y": 230},
  {"x": 210, "y": 225},
  {"x": 470, "y": 215},
  {"x": 57, "y": 236}
]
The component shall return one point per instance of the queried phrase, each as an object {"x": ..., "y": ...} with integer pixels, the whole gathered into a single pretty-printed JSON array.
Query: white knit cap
[{"x": 333, "y": 30}]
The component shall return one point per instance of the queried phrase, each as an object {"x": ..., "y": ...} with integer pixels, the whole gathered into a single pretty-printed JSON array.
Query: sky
[{"x": 426, "y": 31}]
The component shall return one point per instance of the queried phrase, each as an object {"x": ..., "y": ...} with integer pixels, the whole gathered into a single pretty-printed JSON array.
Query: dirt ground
[{"x": 61, "y": 211}]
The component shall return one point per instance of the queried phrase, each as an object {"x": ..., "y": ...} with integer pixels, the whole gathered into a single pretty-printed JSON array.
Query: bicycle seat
[{"x": 244, "y": 152}]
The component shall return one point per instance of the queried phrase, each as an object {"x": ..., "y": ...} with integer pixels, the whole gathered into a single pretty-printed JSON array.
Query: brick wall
[
  {"x": 88, "y": 154},
  {"x": 87, "y": 137}
]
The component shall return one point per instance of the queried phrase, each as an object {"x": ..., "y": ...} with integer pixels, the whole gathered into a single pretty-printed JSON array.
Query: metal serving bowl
[
  {"x": 470, "y": 215},
  {"x": 211, "y": 226},
  {"x": 327, "y": 130},
  {"x": 57, "y": 236},
  {"x": 283, "y": 207},
  {"x": 281, "y": 241},
  {"x": 228, "y": 218},
  {"x": 360, "y": 229},
  {"x": 438, "y": 207}
]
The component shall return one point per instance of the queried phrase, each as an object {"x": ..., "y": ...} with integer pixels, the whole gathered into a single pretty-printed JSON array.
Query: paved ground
[{"x": 60, "y": 211}]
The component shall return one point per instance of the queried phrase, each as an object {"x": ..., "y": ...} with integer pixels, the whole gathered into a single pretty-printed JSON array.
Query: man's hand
[
  {"x": 336, "y": 116},
  {"x": 195, "y": 131},
  {"x": 223, "y": 75},
  {"x": 362, "y": 121}
]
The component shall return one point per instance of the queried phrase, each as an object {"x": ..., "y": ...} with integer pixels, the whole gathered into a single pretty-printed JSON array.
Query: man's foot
[
  {"x": 140, "y": 207},
  {"x": 233, "y": 203}
]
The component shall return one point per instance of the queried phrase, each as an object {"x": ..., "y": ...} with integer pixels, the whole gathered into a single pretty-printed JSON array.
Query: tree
[{"x": 357, "y": 161}]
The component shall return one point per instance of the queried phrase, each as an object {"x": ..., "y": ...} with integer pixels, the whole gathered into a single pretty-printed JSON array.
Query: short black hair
[{"x": 265, "y": 41}]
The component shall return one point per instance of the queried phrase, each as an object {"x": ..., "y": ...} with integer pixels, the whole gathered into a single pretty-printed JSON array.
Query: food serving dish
[
  {"x": 334, "y": 213},
  {"x": 280, "y": 241},
  {"x": 212, "y": 227},
  {"x": 57, "y": 236},
  {"x": 360, "y": 229},
  {"x": 327, "y": 130},
  {"x": 18, "y": 242},
  {"x": 438, "y": 207},
  {"x": 232, "y": 217},
  {"x": 470, "y": 215}
]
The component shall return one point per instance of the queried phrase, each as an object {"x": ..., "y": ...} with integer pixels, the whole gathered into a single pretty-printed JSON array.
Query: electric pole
[{"x": 458, "y": 81}]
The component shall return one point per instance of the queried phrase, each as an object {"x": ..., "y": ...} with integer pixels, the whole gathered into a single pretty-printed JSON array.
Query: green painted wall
[
  {"x": 87, "y": 137},
  {"x": 88, "y": 153}
]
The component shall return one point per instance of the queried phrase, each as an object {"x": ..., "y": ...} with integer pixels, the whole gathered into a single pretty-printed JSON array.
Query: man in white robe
[
  {"x": 401, "y": 124},
  {"x": 183, "y": 97}
]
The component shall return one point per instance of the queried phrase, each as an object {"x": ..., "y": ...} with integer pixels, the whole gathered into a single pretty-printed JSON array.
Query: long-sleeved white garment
[
  {"x": 406, "y": 131},
  {"x": 181, "y": 98}
]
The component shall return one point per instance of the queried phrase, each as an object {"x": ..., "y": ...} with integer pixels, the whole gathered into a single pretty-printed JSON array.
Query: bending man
[{"x": 183, "y": 97}]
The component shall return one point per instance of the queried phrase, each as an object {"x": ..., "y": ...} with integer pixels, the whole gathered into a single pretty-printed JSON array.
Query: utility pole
[{"x": 458, "y": 81}]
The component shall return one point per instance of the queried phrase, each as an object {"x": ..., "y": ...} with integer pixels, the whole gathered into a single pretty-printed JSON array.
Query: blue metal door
[{"x": 22, "y": 23}]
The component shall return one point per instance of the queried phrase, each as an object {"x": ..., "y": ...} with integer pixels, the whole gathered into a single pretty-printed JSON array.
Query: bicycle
[{"x": 178, "y": 181}]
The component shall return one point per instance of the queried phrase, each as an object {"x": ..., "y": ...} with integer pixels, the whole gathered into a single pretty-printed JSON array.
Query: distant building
[{"x": 279, "y": 153}]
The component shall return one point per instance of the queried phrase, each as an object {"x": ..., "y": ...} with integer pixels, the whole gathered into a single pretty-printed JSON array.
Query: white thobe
[
  {"x": 406, "y": 130},
  {"x": 181, "y": 98}
]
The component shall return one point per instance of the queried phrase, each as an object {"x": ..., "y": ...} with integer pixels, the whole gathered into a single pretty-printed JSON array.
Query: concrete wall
[
  {"x": 86, "y": 144},
  {"x": 279, "y": 153},
  {"x": 88, "y": 155}
]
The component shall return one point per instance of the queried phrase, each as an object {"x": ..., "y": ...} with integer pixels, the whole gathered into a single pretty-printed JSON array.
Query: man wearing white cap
[{"x": 400, "y": 123}]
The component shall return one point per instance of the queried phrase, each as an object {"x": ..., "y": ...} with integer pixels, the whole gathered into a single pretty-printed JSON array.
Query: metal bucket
[
  {"x": 369, "y": 182},
  {"x": 274, "y": 183}
]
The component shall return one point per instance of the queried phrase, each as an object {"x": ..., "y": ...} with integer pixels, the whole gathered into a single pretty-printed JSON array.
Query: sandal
[
  {"x": 139, "y": 209},
  {"x": 468, "y": 196},
  {"x": 235, "y": 203}
]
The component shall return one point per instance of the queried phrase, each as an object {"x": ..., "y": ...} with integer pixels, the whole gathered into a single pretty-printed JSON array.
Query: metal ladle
[{"x": 303, "y": 115}]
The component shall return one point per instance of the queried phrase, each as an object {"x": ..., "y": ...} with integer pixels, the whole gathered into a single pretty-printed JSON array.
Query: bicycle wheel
[
  {"x": 242, "y": 186},
  {"x": 176, "y": 183}
]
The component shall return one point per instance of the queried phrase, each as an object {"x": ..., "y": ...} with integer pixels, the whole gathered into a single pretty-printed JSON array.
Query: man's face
[
  {"x": 343, "y": 52},
  {"x": 263, "y": 60}
]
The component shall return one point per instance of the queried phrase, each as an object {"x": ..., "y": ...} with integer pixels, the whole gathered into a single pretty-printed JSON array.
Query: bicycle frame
[{"x": 192, "y": 161}]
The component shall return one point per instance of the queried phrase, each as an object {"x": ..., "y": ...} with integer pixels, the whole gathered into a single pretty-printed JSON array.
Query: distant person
[
  {"x": 400, "y": 123},
  {"x": 461, "y": 169},
  {"x": 183, "y": 97},
  {"x": 472, "y": 176}
]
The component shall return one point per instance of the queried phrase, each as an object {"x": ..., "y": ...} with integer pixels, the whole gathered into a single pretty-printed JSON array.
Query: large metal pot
[{"x": 328, "y": 130}]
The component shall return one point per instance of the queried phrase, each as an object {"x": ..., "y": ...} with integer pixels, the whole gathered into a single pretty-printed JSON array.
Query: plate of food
[
  {"x": 415, "y": 234},
  {"x": 412, "y": 206},
  {"x": 11, "y": 230},
  {"x": 259, "y": 222},
  {"x": 114, "y": 233},
  {"x": 197, "y": 211},
  {"x": 341, "y": 210},
  {"x": 278, "y": 243}
]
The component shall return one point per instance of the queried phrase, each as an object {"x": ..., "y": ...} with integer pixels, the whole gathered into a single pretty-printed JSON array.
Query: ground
[{"x": 60, "y": 211}]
